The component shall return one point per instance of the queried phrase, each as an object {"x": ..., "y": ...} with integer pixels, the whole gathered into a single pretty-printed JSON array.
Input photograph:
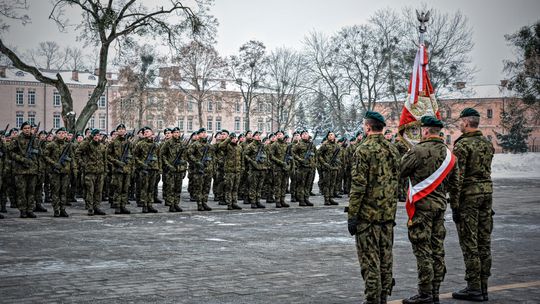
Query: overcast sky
[{"x": 285, "y": 23}]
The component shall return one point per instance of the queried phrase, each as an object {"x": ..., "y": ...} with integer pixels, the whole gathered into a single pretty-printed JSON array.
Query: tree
[
  {"x": 48, "y": 55},
  {"x": 248, "y": 69},
  {"x": 102, "y": 25},
  {"x": 513, "y": 120},
  {"x": 524, "y": 71}
]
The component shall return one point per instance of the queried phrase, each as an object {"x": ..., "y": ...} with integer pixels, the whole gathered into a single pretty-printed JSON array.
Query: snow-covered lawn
[{"x": 526, "y": 165}]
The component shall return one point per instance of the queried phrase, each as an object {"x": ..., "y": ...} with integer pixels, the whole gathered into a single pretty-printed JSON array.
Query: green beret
[
  {"x": 167, "y": 130},
  {"x": 469, "y": 112},
  {"x": 120, "y": 126},
  {"x": 201, "y": 130},
  {"x": 61, "y": 129},
  {"x": 175, "y": 129},
  {"x": 94, "y": 132},
  {"x": 232, "y": 135},
  {"x": 431, "y": 121},
  {"x": 375, "y": 115}
]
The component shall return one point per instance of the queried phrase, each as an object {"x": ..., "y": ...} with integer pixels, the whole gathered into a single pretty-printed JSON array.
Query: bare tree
[
  {"x": 48, "y": 55},
  {"x": 103, "y": 25},
  {"x": 76, "y": 60},
  {"x": 248, "y": 69},
  {"x": 13, "y": 9}
]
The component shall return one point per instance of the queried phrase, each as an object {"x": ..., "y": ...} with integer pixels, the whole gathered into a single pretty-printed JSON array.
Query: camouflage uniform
[
  {"x": 256, "y": 172},
  {"x": 93, "y": 156},
  {"x": 38, "y": 196},
  {"x": 59, "y": 172},
  {"x": 328, "y": 160},
  {"x": 174, "y": 170},
  {"x": 200, "y": 165},
  {"x": 372, "y": 203},
  {"x": 475, "y": 153},
  {"x": 121, "y": 163},
  {"x": 282, "y": 162},
  {"x": 3, "y": 153},
  {"x": 232, "y": 168},
  {"x": 217, "y": 187},
  {"x": 306, "y": 164},
  {"x": 147, "y": 162},
  {"x": 26, "y": 170},
  {"x": 427, "y": 231},
  {"x": 243, "y": 189}
]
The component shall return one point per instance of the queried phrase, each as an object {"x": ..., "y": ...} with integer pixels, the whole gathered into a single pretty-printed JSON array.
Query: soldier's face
[
  {"x": 27, "y": 130},
  {"x": 80, "y": 138},
  {"x": 280, "y": 135},
  {"x": 121, "y": 132},
  {"x": 296, "y": 137},
  {"x": 462, "y": 125},
  {"x": 42, "y": 137},
  {"x": 148, "y": 133},
  {"x": 331, "y": 137},
  {"x": 305, "y": 136},
  {"x": 176, "y": 134},
  {"x": 257, "y": 137},
  {"x": 234, "y": 140},
  {"x": 61, "y": 135},
  {"x": 97, "y": 137}
]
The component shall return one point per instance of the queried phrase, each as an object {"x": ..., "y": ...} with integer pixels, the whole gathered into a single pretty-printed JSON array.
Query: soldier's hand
[
  {"x": 352, "y": 226},
  {"x": 456, "y": 216}
]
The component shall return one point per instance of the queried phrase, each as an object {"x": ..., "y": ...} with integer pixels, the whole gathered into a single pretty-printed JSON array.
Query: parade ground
[{"x": 294, "y": 255}]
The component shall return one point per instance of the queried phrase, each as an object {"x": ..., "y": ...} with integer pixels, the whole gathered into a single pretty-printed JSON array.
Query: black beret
[
  {"x": 224, "y": 131},
  {"x": 167, "y": 130},
  {"x": 201, "y": 130},
  {"x": 176, "y": 129},
  {"x": 359, "y": 132},
  {"x": 120, "y": 126},
  {"x": 256, "y": 133},
  {"x": 375, "y": 115},
  {"x": 280, "y": 131},
  {"x": 467, "y": 112},
  {"x": 112, "y": 132},
  {"x": 61, "y": 129},
  {"x": 232, "y": 135},
  {"x": 431, "y": 121},
  {"x": 146, "y": 128},
  {"x": 26, "y": 123}
]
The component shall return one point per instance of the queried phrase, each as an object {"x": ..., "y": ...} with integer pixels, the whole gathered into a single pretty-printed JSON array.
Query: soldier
[
  {"x": 119, "y": 156},
  {"x": 3, "y": 153},
  {"x": 173, "y": 155},
  {"x": 200, "y": 163},
  {"x": 472, "y": 212},
  {"x": 59, "y": 156},
  {"x": 243, "y": 190},
  {"x": 281, "y": 156},
  {"x": 328, "y": 160},
  {"x": 372, "y": 207},
  {"x": 432, "y": 166},
  {"x": 292, "y": 187},
  {"x": 24, "y": 152},
  {"x": 256, "y": 159},
  {"x": 217, "y": 188},
  {"x": 38, "y": 196},
  {"x": 147, "y": 162},
  {"x": 232, "y": 168},
  {"x": 304, "y": 155}
]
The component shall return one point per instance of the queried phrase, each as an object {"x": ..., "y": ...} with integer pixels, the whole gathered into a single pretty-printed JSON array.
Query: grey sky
[{"x": 285, "y": 23}]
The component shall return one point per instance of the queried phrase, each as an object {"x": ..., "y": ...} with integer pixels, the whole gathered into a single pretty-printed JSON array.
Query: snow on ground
[{"x": 526, "y": 165}]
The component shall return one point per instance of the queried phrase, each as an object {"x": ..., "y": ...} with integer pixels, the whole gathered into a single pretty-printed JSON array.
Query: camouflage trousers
[
  {"x": 302, "y": 183},
  {"x": 93, "y": 184},
  {"x": 38, "y": 195},
  {"x": 59, "y": 185},
  {"x": 217, "y": 187},
  {"x": 172, "y": 187},
  {"x": 292, "y": 184},
  {"x": 474, "y": 231},
  {"x": 374, "y": 247},
  {"x": 347, "y": 180},
  {"x": 328, "y": 182},
  {"x": 120, "y": 183},
  {"x": 231, "y": 181},
  {"x": 148, "y": 186},
  {"x": 310, "y": 180},
  {"x": 268, "y": 186},
  {"x": 243, "y": 189},
  {"x": 256, "y": 183},
  {"x": 26, "y": 189},
  {"x": 201, "y": 186},
  {"x": 426, "y": 235},
  {"x": 280, "y": 184}
]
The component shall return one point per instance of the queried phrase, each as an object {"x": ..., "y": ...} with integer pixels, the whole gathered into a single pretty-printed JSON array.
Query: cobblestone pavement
[{"x": 295, "y": 255}]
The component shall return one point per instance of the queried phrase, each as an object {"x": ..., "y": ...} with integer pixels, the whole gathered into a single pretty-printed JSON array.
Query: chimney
[
  {"x": 460, "y": 85},
  {"x": 2, "y": 72},
  {"x": 75, "y": 75},
  {"x": 504, "y": 83}
]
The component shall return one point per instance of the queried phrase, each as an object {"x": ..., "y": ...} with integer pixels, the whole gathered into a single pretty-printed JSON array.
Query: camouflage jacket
[
  {"x": 474, "y": 154},
  {"x": 422, "y": 161},
  {"x": 173, "y": 155},
  {"x": 374, "y": 183},
  {"x": 277, "y": 153},
  {"x": 198, "y": 162},
  {"x": 250, "y": 155},
  {"x": 303, "y": 159},
  {"x": 120, "y": 163},
  {"x": 146, "y": 154},
  {"x": 232, "y": 156},
  {"x": 93, "y": 156},
  {"x": 52, "y": 154},
  {"x": 21, "y": 162},
  {"x": 328, "y": 156},
  {"x": 3, "y": 155}
]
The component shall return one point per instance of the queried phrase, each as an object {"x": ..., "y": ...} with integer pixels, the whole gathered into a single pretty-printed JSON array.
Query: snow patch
[{"x": 526, "y": 165}]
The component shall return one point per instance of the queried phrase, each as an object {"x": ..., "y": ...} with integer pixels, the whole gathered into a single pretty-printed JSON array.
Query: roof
[
  {"x": 478, "y": 91},
  {"x": 85, "y": 78}
]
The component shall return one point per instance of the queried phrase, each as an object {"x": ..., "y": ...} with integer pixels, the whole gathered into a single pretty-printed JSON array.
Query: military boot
[
  {"x": 236, "y": 207},
  {"x": 56, "y": 213},
  {"x": 151, "y": 209},
  {"x": 63, "y": 213},
  {"x": 278, "y": 205},
  {"x": 336, "y": 195},
  {"x": 284, "y": 205},
  {"x": 200, "y": 206},
  {"x": 302, "y": 202},
  {"x": 435, "y": 293},
  {"x": 485, "y": 290},
  {"x": 23, "y": 214},
  {"x": 39, "y": 208},
  {"x": 177, "y": 208},
  {"x": 384, "y": 298},
  {"x": 326, "y": 201},
  {"x": 171, "y": 208},
  {"x": 144, "y": 209},
  {"x": 3, "y": 209},
  {"x": 222, "y": 203},
  {"x": 293, "y": 199},
  {"x": 333, "y": 202},
  {"x": 253, "y": 206},
  {"x": 420, "y": 298},
  {"x": 1, "y": 216},
  {"x": 98, "y": 211},
  {"x": 90, "y": 212},
  {"x": 308, "y": 203},
  {"x": 259, "y": 205},
  {"x": 117, "y": 210},
  {"x": 469, "y": 294},
  {"x": 206, "y": 207},
  {"x": 157, "y": 201},
  {"x": 124, "y": 210},
  {"x": 30, "y": 214}
]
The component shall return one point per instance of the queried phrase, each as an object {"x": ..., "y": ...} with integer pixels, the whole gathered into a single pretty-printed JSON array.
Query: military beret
[
  {"x": 387, "y": 132},
  {"x": 146, "y": 128},
  {"x": 217, "y": 133},
  {"x": 296, "y": 132},
  {"x": 175, "y": 129},
  {"x": 342, "y": 139},
  {"x": 40, "y": 132},
  {"x": 86, "y": 130},
  {"x": 79, "y": 134},
  {"x": 286, "y": 136},
  {"x": 257, "y": 133},
  {"x": 280, "y": 131},
  {"x": 14, "y": 130},
  {"x": 232, "y": 135},
  {"x": 201, "y": 130},
  {"x": 360, "y": 132},
  {"x": 431, "y": 121},
  {"x": 304, "y": 131},
  {"x": 26, "y": 123},
  {"x": 248, "y": 131},
  {"x": 375, "y": 115},
  {"x": 225, "y": 131},
  {"x": 120, "y": 126},
  {"x": 241, "y": 135},
  {"x": 94, "y": 132},
  {"x": 112, "y": 133},
  {"x": 467, "y": 112},
  {"x": 167, "y": 130},
  {"x": 61, "y": 129}
]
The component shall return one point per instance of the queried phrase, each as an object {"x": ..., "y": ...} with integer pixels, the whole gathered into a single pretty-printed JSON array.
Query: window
[
  {"x": 260, "y": 124},
  {"x": 260, "y": 106},
  {"x": 190, "y": 124},
  {"x": 209, "y": 123},
  {"x": 92, "y": 122},
  {"x": 448, "y": 139},
  {"x": 32, "y": 117},
  {"x": 237, "y": 107},
  {"x": 56, "y": 120},
  {"x": 218, "y": 106},
  {"x": 210, "y": 106},
  {"x": 56, "y": 99},
  {"x": 181, "y": 106},
  {"x": 489, "y": 113},
  {"x": 102, "y": 101},
  {"x": 19, "y": 97},
  {"x": 218, "y": 123},
  {"x": 102, "y": 121},
  {"x": 31, "y": 97},
  {"x": 246, "y": 125},
  {"x": 190, "y": 106},
  {"x": 237, "y": 124},
  {"x": 268, "y": 125},
  {"x": 160, "y": 123},
  {"x": 180, "y": 123},
  {"x": 19, "y": 117}
]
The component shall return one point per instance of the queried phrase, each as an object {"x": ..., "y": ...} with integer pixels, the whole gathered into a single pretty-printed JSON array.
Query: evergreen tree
[{"x": 514, "y": 122}]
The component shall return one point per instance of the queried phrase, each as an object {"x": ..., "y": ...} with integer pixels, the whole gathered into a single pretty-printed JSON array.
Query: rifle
[
  {"x": 205, "y": 159},
  {"x": 310, "y": 153},
  {"x": 334, "y": 157},
  {"x": 288, "y": 154},
  {"x": 64, "y": 156},
  {"x": 30, "y": 151},
  {"x": 180, "y": 151},
  {"x": 260, "y": 155},
  {"x": 149, "y": 156},
  {"x": 5, "y": 131}
]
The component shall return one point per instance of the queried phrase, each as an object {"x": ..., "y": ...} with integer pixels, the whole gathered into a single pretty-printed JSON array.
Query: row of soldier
[{"x": 39, "y": 166}]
